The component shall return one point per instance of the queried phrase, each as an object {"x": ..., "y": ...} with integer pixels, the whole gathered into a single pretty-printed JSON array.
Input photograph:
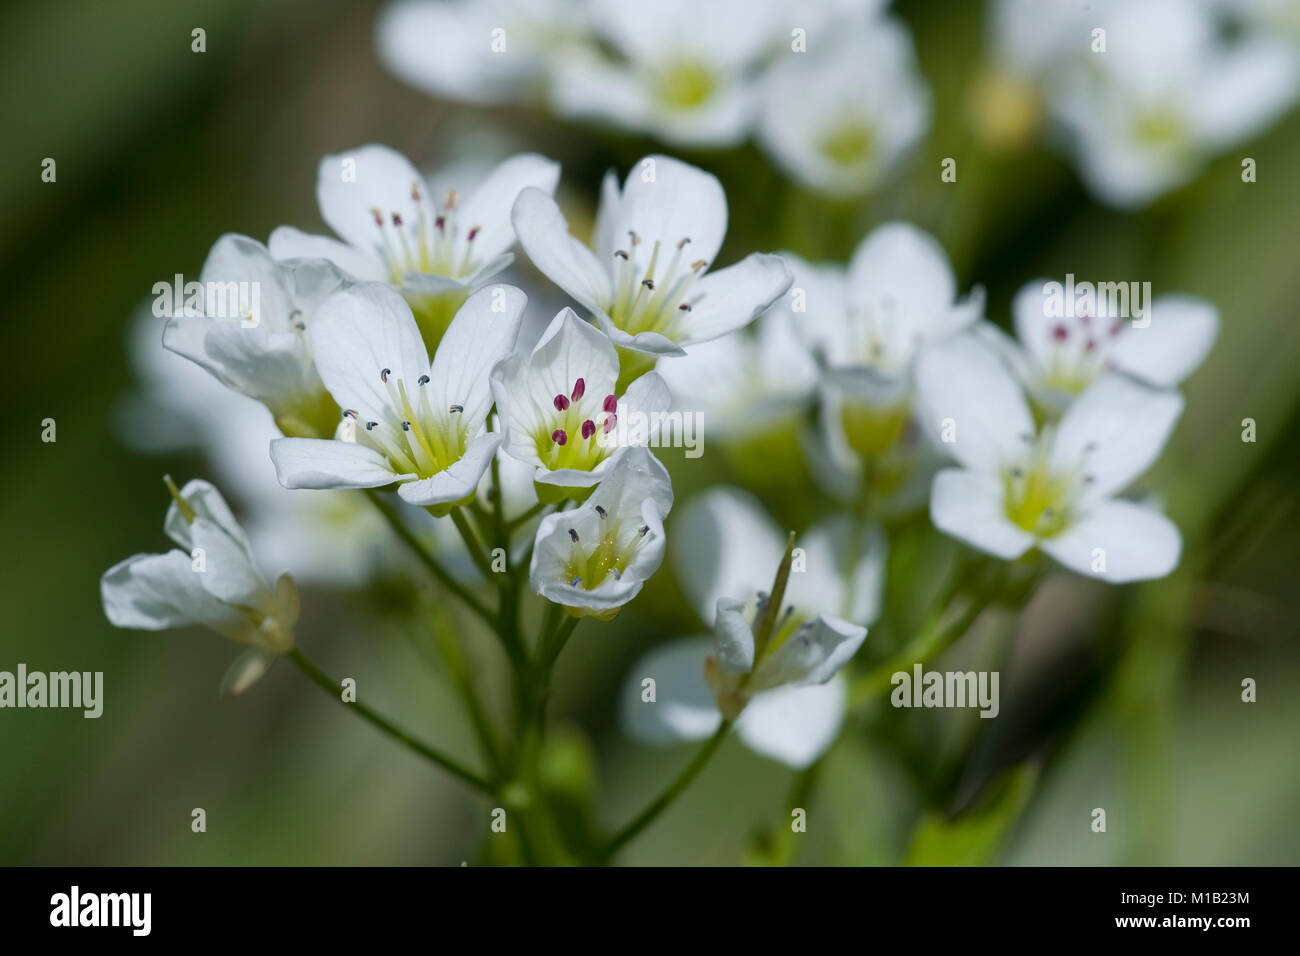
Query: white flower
[
  {"x": 1052, "y": 490},
  {"x": 595, "y": 558},
  {"x": 684, "y": 72},
  {"x": 745, "y": 383},
  {"x": 791, "y": 706},
  {"x": 435, "y": 250},
  {"x": 480, "y": 51},
  {"x": 866, "y": 325},
  {"x": 645, "y": 281},
  {"x": 560, "y": 408},
  {"x": 211, "y": 580},
  {"x": 253, "y": 334},
  {"x": 1062, "y": 350},
  {"x": 1168, "y": 93},
  {"x": 838, "y": 120},
  {"x": 405, "y": 420}
]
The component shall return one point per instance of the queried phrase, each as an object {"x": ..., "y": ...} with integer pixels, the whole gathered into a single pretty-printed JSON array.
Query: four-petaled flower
[
  {"x": 595, "y": 558},
  {"x": 404, "y": 420},
  {"x": 646, "y": 280},
  {"x": 560, "y": 409},
  {"x": 435, "y": 249},
  {"x": 1020, "y": 488},
  {"x": 211, "y": 580}
]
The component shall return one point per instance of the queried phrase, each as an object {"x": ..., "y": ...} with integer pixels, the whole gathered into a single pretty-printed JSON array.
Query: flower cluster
[{"x": 829, "y": 88}]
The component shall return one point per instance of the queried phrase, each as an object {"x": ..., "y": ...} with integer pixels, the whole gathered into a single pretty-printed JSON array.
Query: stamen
[
  {"x": 575, "y": 583},
  {"x": 588, "y": 428},
  {"x": 350, "y": 413},
  {"x": 602, "y": 512},
  {"x": 383, "y": 375},
  {"x": 561, "y": 403},
  {"x": 579, "y": 389},
  {"x": 610, "y": 404},
  {"x": 456, "y": 409},
  {"x": 370, "y": 425},
  {"x": 472, "y": 233},
  {"x": 559, "y": 436},
  {"x": 1060, "y": 333},
  {"x": 422, "y": 380},
  {"x": 573, "y": 535}
]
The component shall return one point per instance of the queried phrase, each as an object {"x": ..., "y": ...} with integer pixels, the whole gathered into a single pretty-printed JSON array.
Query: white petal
[
  {"x": 899, "y": 263},
  {"x": 377, "y": 178},
  {"x": 328, "y": 463},
  {"x": 1136, "y": 543},
  {"x": 155, "y": 592},
  {"x": 603, "y": 236},
  {"x": 1033, "y": 314},
  {"x": 247, "y": 263},
  {"x": 963, "y": 383},
  {"x": 812, "y": 655},
  {"x": 683, "y": 708},
  {"x": 482, "y": 333},
  {"x": 794, "y": 725},
  {"x": 725, "y": 300},
  {"x": 724, "y": 545},
  {"x": 206, "y": 502},
  {"x": 1182, "y": 329},
  {"x": 458, "y": 481},
  {"x": 650, "y": 343},
  {"x": 828, "y": 549},
  {"x": 489, "y": 206},
  {"x": 359, "y": 332},
  {"x": 290, "y": 244},
  {"x": 667, "y": 200},
  {"x": 733, "y": 637},
  {"x": 1113, "y": 432},
  {"x": 969, "y": 505},
  {"x": 227, "y": 571},
  {"x": 543, "y": 233}
]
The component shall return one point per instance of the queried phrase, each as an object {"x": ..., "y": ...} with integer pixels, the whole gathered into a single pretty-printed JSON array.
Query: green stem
[
  {"x": 428, "y": 560},
  {"x": 332, "y": 688},
  {"x": 524, "y": 518},
  {"x": 472, "y": 543},
  {"x": 462, "y": 677},
  {"x": 670, "y": 793}
]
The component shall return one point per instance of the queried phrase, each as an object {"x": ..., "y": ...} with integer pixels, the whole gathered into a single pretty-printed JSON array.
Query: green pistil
[
  {"x": 1036, "y": 500},
  {"x": 684, "y": 84},
  {"x": 872, "y": 430},
  {"x": 590, "y": 569},
  {"x": 850, "y": 144}
]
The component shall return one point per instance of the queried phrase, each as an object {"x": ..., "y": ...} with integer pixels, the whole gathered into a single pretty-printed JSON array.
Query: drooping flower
[
  {"x": 479, "y": 51},
  {"x": 1062, "y": 349},
  {"x": 595, "y": 558},
  {"x": 252, "y": 335},
  {"x": 1019, "y": 488},
  {"x": 434, "y": 250},
  {"x": 560, "y": 407},
  {"x": 790, "y": 702},
  {"x": 840, "y": 120},
  {"x": 404, "y": 420},
  {"x": 646, "y": 280},
  {"x": 211, "y": 580}
]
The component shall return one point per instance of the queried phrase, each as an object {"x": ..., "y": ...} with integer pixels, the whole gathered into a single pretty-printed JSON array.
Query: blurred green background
[{"x": 1125, "y": 699}]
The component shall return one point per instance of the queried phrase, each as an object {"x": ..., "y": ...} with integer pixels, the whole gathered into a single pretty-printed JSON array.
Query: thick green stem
[{"x": 333, "y": 689}]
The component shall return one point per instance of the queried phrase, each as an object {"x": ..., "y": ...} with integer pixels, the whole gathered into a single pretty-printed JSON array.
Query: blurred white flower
[
  {"x": 1146, "y": 91},
  {"x": 838, "y": 120},
  {"x": 647, "y": 282},
  {"x": 479, "y": 51},
  {"x": 1060, "y": 353},
  {"x": 1054, "y": 490},
  {"x": 559, "y": 405},
  {"x": 726, "y": 549},
  {"x": 212, "y": 580},
  {"x": 595, "y": 558},
  {"x": 435, "y": 252},
  {"x": 404, "y": 420}
]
